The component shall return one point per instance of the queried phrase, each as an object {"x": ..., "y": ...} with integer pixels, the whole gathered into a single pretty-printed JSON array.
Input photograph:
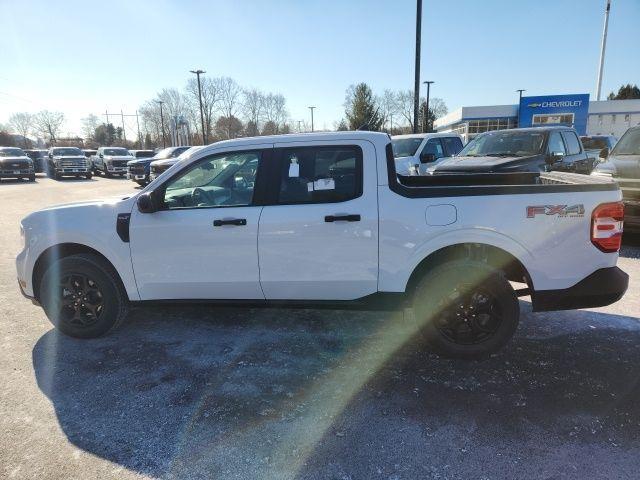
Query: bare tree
[
  {"x": 89, "y": 125},
  {"x": 48, "y": 124},
  {"x": 405, "y": 105},
  {"x": 22, "y": 123},
  {"x": 275, "y": 111},
  {"x": 230, "y": 96},
  {"x": 388, "y": 102},
  {"x": 253, "y": 107},
  {"x": 210, "y": 101}
]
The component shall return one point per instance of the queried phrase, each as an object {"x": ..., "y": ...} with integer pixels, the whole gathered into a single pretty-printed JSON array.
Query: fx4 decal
[{"x": 559, "y": 210}]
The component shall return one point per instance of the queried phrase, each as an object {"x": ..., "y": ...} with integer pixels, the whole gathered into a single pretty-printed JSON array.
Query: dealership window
[
  {"x": 613, "y": 119},
  {"x": 553, "y": 119},
  {"x": 627, "y": 117},
  {"x": 599, "y": 119}
]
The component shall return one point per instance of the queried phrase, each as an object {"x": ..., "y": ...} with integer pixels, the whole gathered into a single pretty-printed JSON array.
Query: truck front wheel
[
  {"x": 465, "y": 309},
  {"x": 82, "y": 296}
]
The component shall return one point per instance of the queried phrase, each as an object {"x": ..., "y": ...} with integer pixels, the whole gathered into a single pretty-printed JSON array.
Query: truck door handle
[
  {"x": 342, "y": 218},
  {"x": 233, "y": 221}
]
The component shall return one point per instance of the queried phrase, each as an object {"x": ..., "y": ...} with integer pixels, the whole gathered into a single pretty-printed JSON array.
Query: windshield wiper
[{"x": 501, "y": 154}]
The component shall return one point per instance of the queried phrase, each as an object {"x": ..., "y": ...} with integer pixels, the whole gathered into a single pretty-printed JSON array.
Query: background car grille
[
  {"x": 119, "y": 163},
  {"x": 72, "y": 163}
]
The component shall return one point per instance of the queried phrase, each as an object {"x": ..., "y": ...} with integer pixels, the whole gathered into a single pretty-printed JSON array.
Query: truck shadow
[{"x": 194, "y": 392}]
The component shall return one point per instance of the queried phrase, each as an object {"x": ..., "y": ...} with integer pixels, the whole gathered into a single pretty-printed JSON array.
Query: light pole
[
  {"x": 204, "y": 132},
  {"x": 426, "y": 113},
  {"x": 311, "y": 108},
  {"x": 416, "y": 87},
  {"x": 164, "y": 141},
  {"x": 603, "y": 45},
  {"x": 520, "y": 90}
]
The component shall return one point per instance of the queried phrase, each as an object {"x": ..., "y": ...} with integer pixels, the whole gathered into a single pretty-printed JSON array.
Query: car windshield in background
[
  {"x": 170, "y": 152},
  {"x": 504, "y": 144},
  {"x": 594, "y": 143},
  {"x": 405, "y": 147},
  {"x": 144, "y": 154},
  {"x": 116, "y": 151},
  {"x": 67, "y": 151},
  {"x": 11, "y": 152},
  {"x": 629, "y": 144}
]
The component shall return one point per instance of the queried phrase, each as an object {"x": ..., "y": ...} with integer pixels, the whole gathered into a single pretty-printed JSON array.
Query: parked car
[
  {"x": 67, "y": 162},
  {"x": 110, "y": 161},
  {"x": 623, "y": 164},
  {"x": 538, "y": 149},
  {"x": 138, "y": 169},
  {"x": 164, "y": 160},
  {"x": 598, "y": 146},
  {"x": 323, "y": 219},
  {"x": 39, "y": 158},
  {"x": 14, "y": 163},
  {"x": 415, "y": 153}
]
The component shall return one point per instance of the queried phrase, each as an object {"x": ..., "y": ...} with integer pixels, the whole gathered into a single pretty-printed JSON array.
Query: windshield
[
  {"x": 594, "y": 143},
  {"x": 144, "y": 154},
  {"x": 504, "y": 144},
  {"x": 170, "y": 152},
  {"x": 67, "y": 151},
  {"x": 629, "y": 144},
  {"x": 117, "y": 151},
  {"x": 11, "y": 152},
  {"x": 405, "y": 147}
]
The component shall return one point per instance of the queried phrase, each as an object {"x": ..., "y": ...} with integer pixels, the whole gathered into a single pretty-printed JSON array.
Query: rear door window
[
  {"x": 434, "y": 146},
  {"x": 452, "y": 144},
  {"x": 320, "y": 174},
  {"x": 573, "y": 144},
  {"x": 556, "y": 145}
]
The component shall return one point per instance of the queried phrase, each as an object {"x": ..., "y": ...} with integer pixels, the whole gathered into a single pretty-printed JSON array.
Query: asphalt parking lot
[{"x": 196, "y": 392}]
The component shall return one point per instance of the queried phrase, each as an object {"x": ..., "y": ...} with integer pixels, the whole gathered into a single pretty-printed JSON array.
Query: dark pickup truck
[
  {"x": 623, "y": 164},
  {"x": 538, "y": 149}
]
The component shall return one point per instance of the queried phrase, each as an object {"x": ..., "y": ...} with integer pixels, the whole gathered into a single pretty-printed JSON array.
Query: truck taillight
[{"x": 606, "y": 226}]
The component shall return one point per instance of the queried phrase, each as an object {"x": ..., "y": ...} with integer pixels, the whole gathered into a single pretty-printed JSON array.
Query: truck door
[
  {"x": 577, "y": 158},
  {"x": 202, "y": 244},
  {"x": 318, "y": 237}
]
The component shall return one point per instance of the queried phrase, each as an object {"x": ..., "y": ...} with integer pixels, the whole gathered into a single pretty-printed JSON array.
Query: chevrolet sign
[{"x": 566, "y": 103}]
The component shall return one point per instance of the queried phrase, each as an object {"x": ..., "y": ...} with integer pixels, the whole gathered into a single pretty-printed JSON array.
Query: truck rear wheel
[
  {"x": 466, "y": 309},
  {"x": 82, "y": 296}
]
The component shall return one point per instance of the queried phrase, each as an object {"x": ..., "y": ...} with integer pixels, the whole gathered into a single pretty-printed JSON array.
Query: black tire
[
  {"x": 32, "y": 178},
  {"x": 88, "y": 176},
  {"x": 82, "y": 296},
  {"x": 465, "y": 309},
  {"x": 106, "y": 172}
]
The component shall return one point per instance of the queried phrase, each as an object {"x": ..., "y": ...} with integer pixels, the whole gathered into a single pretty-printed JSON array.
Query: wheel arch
[
  {"x": 62, "y": 250},
  {"x": 490, "y": 254}
]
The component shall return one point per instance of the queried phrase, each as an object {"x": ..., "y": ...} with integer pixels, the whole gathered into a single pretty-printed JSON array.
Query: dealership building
[{"x": 608, "y": 117}]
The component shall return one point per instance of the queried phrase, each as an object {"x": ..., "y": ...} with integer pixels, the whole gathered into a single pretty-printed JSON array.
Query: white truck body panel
[{"x": 288, "y": 252}]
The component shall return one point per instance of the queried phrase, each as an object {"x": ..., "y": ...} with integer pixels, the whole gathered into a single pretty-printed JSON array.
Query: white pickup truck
[{"x": 323, "y": 219}]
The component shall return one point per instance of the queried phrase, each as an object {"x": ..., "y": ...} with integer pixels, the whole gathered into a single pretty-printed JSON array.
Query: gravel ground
[{"x": 195, "y": 392}]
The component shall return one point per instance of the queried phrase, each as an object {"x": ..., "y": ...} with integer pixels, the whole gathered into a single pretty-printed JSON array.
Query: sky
[{"x": 83, "y": 57}]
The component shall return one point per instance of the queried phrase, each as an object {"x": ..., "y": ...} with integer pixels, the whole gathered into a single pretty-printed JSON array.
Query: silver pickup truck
[{"x": 623, "y": 164}]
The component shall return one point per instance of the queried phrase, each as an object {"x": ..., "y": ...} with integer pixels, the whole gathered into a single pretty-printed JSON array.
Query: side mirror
[
  {"x": 604, "y": 153},
  {"x": 427, "y": 158},
  {"x": 146, "y": 203},
  {"x": 554, "y": 157},
  {"x": 51, "y": 155},
  {"x": 101, "y": 155}
]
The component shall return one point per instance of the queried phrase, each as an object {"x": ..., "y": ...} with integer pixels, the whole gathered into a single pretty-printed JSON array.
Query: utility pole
[
  {"x": 311, "y": 108},
  {"x": 602, "y": 49},
  {"x": 520, "y": 90},
  {"x": 204, "y": 133},
  {"x": 416, "y": 86},
  {"x": 139, "y": 135},
  {"x": 299, "y": 122},
  {"x": 124, "y": 133},
  {"x": 426, "y": 119},
  {"x": 106, "y": 112},
  {"x": 164, "y": 141}
]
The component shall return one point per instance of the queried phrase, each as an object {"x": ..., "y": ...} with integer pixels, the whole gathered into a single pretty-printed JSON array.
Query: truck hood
[
  {"x": 87, "y": 203},
  {"x": 69, "y": 157},
  {"x": 141, "y": 161},
  {"x": 489, "y": 164},
  {"x": 165, "y": 163},
  {"x": 117, "y": 157}
]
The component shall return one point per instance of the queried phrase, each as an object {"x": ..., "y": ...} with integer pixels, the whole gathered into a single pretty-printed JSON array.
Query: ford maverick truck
[{"x": 325, "y": 220}]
